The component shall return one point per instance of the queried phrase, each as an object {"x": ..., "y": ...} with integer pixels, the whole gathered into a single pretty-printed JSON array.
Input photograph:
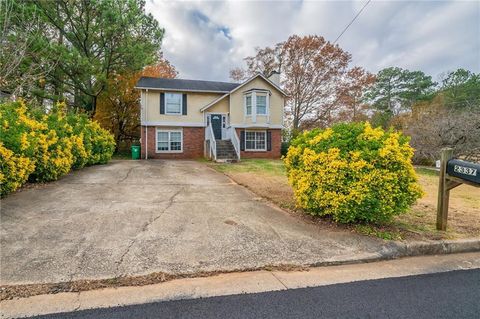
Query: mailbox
[{"x": 464, "y": 170}]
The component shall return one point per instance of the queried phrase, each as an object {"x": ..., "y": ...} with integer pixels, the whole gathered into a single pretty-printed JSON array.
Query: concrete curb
[
  {"x": 391, "y": 250},
  {"x": 418, "y": 248},
  {"x": 398, "y": 249},
  {"x": 234, "y": 283}
]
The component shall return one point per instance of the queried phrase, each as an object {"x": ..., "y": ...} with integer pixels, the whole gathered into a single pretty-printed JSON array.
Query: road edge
[{"x": 235, "y": 283}]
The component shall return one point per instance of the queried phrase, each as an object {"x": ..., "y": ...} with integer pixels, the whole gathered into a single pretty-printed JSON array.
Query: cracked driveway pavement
[{"x": 138, "y": 217}]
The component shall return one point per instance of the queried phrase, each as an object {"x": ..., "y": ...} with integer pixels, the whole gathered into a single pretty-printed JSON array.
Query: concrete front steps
[{"x": 226, "y": 152}]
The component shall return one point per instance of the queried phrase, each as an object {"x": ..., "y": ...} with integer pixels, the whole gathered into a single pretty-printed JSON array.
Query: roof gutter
[{"x": 178, "y": 90}]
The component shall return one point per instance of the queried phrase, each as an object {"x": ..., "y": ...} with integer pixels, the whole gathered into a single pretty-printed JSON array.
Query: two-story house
[{"x": 219, "y": 120}]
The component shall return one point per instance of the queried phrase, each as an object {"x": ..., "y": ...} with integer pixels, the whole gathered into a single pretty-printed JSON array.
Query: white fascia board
[
  {"x": 179, "y": 124},
  {"x": 263, "y": 77}
]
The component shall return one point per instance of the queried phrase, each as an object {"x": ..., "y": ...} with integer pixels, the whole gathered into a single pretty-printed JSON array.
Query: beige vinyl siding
[
  {"x": 237, "y": 107},
  {"x": 219, "y": 107},
  {"x": 233, "y": 104},
  {"x": 195, "y": 101}
]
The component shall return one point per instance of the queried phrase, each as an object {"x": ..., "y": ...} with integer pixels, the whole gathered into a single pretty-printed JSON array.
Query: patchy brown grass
[
  {"x": 464, "y": 210},
  {"x": 267, "y": 179}
]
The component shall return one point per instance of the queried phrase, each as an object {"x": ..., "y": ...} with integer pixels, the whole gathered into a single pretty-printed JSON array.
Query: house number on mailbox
[
  {"x": 453, "y": 172},
  {"x": 465, "y": 170}
]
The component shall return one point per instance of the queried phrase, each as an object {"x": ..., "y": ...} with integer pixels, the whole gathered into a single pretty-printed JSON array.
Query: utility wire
[
  {"x": 345, "y": 29},
  {"x": 351, "y": 22}
]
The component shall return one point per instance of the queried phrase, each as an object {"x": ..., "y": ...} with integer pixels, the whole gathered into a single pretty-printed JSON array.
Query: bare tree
[
  {"x": 311, "y": 69},
  {"x": 434, "y": 126},
  {"x": 351, "y": 99}
]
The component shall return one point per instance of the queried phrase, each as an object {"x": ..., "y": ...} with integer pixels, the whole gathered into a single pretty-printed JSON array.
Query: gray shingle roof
[{"x": 186, "y": 85}]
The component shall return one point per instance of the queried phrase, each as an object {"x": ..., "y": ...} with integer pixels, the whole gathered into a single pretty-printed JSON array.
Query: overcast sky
[{"x": 204, "y": 40}]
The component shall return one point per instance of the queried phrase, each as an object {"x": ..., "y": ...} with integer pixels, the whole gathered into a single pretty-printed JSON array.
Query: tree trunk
[{"x": 94, "y": 106}]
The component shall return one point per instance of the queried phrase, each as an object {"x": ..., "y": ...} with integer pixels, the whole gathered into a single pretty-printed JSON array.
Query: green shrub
[
  {"x": 102, "y": 144},
  {"x": 43, "y": 147},
  {"x": 353, "y": 173},
  {"x": 53, "y": 148},
  {"x": 284, "y": 148},
  {"x": 14, "y": 170},
  {"x": 98, "y": 143}
]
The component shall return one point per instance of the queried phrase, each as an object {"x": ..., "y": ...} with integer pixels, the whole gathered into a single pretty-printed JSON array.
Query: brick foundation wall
[
  {"x": 193, "y": 143},
  {"x": 276, "y": 146}
]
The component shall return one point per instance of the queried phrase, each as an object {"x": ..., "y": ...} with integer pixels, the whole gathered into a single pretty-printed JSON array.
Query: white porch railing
[
  {"x": 232, "y": 136},
  {"x": 212, "y": 144}
]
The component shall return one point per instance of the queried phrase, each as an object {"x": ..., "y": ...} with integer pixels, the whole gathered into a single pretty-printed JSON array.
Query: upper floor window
[
  {"x": 256, "y": 102},
  {"x": 248, "y": 102},
  {"x": 261, "y": 104},
  {"x": 173, "y": 103}
]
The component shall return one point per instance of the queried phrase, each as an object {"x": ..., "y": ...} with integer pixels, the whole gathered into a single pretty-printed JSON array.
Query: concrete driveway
[{"x": 138, "y": 217}]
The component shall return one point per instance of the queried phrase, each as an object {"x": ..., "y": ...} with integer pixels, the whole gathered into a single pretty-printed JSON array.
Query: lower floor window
[
  {"x": 169, "y": 141},
  {"x": 255, "y": 141}
]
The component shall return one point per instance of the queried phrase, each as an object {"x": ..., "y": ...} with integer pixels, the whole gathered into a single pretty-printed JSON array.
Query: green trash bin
[{"x": 135, "y": 152}]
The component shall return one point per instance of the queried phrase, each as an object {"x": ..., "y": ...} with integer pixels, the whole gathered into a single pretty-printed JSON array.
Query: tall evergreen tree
[
  {"x": 396, "y": 90},
  {"x": 91, "y": 42}
]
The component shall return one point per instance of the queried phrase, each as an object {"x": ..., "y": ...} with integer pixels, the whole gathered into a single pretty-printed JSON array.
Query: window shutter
[
  {"x": 184, "y": 104},
  {"x": 269, "y": 140},
  {"x": 242, "y": 140},
  {"x": 162, "y": 103}
]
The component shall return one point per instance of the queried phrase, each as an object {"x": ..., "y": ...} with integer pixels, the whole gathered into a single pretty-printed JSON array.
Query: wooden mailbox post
[{"x": 452, "y": 174}]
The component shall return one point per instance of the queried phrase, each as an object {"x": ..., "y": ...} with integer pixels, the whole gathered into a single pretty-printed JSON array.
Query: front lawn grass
[{"x": 267, "y": 178}]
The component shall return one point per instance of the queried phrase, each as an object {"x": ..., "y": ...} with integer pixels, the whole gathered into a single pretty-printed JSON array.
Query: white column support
[
  {"x": 254, "y": 107},
  {"x": 268, "y": 107}
]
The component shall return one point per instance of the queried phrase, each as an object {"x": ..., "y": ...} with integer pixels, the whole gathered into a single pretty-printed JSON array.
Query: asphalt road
[{"x": 453, "y": 294}]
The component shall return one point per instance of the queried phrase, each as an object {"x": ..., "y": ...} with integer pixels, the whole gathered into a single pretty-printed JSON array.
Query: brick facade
[
  {"x": 193, "y": 143},
  {"x": 276, "y": 146}
]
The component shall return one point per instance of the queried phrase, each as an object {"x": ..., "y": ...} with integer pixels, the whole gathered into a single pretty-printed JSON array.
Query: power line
[{"x": 351, "y": 22}]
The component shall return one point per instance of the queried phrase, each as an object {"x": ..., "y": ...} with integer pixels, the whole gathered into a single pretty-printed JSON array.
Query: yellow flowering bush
[
  {"x": 14, "y": 170},
  {"x": 352, "y": 172},
  {"x": 98, "y": 143},
  {"x": 42, "y": 147}
]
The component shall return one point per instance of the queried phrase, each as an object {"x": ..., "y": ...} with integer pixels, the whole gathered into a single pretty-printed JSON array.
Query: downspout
[{"x": 146, "y": 126}]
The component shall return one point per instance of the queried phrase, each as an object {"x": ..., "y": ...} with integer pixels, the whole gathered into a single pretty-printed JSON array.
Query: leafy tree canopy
[
  {"x": 396, "y": 90},
  {"x": 461, "y": 88},
  {"x": 91, "y": 41}
]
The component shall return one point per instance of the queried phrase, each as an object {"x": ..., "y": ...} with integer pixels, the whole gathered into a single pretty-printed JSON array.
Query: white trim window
[
  {"x": 173, "y": 103},
  {"x": 255, "y": 140},
  {"x": 261, "y": 104},
  {"x": 169, "y": 141},
  {"x": 256, "y": 103},
  {"x": 248, "y": 104}
]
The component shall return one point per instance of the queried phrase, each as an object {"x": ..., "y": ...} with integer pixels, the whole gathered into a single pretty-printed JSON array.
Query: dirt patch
[
  {"x": 464, "y": 211},
  {"x": 271, "y": 187},
  {"x": 275, "y": 189},
  {"x": 230, "y": 222}
]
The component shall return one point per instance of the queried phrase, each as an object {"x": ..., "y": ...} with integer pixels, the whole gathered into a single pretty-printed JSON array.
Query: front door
[{"x": 216, "y": 120}]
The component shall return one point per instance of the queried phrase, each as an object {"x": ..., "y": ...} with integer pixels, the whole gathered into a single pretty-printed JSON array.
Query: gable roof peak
[{"x": 259, "y": 74}]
